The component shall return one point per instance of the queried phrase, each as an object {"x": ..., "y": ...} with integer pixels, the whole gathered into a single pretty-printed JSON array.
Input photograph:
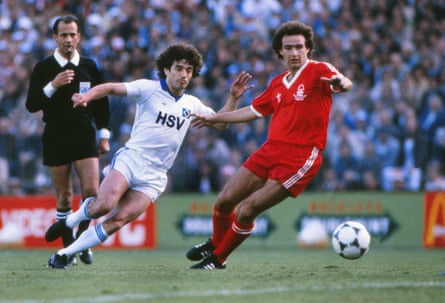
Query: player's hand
[
  {"x": 104, "y": 146},
  {"x": 63, "y": 78},
  {"x": 239, "y": 86},
  {"x": 337, "y": 81},
  {"x": 201, "y": 120},
  {"x": 79, "y": 100}
]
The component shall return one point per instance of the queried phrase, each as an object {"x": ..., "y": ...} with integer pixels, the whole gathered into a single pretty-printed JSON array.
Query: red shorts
[{"x": 293, "y": 166}]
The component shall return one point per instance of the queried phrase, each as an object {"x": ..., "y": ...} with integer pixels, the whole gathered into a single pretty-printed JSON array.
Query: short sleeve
[{"x": 137, "y": 89}]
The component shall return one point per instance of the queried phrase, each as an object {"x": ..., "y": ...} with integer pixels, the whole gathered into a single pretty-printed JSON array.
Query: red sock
[
  {"x": 232, "y": 239},
  {"x": 221, "y": 222}
]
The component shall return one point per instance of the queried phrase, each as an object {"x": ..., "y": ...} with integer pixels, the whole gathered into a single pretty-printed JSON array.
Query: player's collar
[
  {"x": 62, "y": 61},
  {"x": 164, "y": 86},
  {"x": 288, "y": 83}
]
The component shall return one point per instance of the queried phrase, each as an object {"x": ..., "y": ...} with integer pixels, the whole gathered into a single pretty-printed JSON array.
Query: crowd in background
[{"x": 387, "y": 134}]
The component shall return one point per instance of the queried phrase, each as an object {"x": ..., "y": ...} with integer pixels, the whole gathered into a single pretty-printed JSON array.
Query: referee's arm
[{"x": 36, "y": 97}]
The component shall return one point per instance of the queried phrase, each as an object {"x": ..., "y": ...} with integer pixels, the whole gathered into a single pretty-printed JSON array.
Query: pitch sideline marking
[{"x": 237, "y": 292}]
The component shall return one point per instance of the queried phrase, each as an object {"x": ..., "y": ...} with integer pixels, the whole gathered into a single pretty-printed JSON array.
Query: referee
[{"x": 69, "y": 138}]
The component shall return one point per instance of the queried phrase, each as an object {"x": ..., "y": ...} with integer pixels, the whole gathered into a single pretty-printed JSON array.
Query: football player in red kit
[{"x": 299, "y": 102}]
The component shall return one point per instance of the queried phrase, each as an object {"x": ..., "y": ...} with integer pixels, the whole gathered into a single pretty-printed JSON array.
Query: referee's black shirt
[{"x": 58, "y": 113}]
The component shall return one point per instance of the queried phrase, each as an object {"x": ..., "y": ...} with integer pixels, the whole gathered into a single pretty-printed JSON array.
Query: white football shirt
[{"x": 161, "y": 120}]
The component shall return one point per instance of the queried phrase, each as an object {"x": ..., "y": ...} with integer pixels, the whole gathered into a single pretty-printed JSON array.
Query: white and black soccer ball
[{"x": 351, "y": 240}]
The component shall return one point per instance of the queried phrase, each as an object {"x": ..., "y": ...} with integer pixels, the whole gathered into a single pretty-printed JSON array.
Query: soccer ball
[{"x": 351, "y": 240}]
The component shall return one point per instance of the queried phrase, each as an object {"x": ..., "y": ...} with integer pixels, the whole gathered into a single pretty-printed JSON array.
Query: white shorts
[{"x": 140, "y": 174}]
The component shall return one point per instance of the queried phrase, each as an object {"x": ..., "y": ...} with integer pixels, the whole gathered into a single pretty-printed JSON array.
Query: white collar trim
[
  {"x": 288, "y": 84},
  {"x": 62, "y": 61}
]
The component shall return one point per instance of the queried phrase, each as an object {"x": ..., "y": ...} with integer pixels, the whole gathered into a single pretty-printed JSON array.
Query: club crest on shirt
[
  {"x": 186, "y": 113},
  {"x": 299, "y": 94},
  {"x": 278, "y": 97}
]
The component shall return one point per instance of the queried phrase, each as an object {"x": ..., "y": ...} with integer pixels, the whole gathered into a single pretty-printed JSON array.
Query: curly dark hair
[
  {"x": 177, "y": 52},
  {"x": 293, "y": 28}
]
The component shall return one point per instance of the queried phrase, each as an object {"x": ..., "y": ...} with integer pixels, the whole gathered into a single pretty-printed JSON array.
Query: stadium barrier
[
  {"x": 396, "y": 219},
  {"x": 24, "y": 221},
  {"x": 399, "y": 219},
  {"x": 434, "y": 218}
]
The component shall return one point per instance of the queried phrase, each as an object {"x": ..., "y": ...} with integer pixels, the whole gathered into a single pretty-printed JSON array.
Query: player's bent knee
[
  {"x": 226, "y": 202},
  {"x": 246, "y": 214}
]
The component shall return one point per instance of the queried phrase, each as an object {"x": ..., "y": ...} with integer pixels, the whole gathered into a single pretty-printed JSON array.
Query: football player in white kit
[{"x": 138, "y": 171}]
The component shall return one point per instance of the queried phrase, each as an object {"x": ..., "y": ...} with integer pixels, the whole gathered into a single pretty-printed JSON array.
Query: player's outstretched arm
[
  {"x": 339, "y": 82},
  {"x": 239, "y": 86},
  {"x": 243, "y": 114},
  {"x": 97, "y": 92},
  {"x": 237, "y": 90}
]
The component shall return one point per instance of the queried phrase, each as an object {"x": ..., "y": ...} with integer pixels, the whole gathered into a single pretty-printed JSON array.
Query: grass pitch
[{"x": 257, "y": 275}]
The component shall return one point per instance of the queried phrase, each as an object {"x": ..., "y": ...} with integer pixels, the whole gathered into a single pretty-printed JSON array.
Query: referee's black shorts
[{"x": 60, "y": 150}]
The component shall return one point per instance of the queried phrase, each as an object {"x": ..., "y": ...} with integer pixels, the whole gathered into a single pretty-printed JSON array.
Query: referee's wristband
[{"x": 103, "y": 133}]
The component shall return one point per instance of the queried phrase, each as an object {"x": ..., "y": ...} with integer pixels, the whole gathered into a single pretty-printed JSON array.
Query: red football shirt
[{"x": 300, "y": 108}]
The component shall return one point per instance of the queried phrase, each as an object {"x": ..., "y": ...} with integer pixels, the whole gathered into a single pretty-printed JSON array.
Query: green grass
[
  {"x": 254, "y": 274},
  {"x": 271, "y": 270}
]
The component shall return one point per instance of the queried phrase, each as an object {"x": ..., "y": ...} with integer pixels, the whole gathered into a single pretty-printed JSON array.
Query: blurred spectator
[
  {"x": 337, "y": 140},
  {"x": 4, "y": 174},
  {"x": 186, "y": 168},
  {"x": 29, "y": 145},
  {"x": 435, "y": 180},
  {"x": 8, "y": 153},
  {"x": 361, "y": 133},
  {"x": 438, "y": 153},
  {"x": 388, "y": 121},
  {"x": 414, "y": 86},
  {"x": 387, "y": 150},
  {"x": 330, "y": 181},
  {"x": 347, "y": 169},
  {"x": 12, "y": 94},
  {"x": 371, "y": 168},
  {"x": 354, "y": 114},
  {"x": 207, "y": 177},
  {"x": 259, "y": 131},
  {"x": 407, "y": 173},
  {"x": 432, "y": 118},
  {"x": 432, "y": 115},
  {"x": 262, "y": 13},
  {"x": 370, "y": 181},
  {"x": 387, "y": 89},
  {"x": 237, "y": 135},
  {"x": 228, "y": 169}
]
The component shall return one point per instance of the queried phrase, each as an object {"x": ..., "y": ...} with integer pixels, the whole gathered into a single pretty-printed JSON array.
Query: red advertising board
[
  {"x": 24, "y": 221},
  {"x": 434, "y": 219}
]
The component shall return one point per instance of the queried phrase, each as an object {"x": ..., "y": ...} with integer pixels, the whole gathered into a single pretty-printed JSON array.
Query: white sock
[
  {"x": 91, "y": 237},
  {"x": 79, "y": 215}
]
